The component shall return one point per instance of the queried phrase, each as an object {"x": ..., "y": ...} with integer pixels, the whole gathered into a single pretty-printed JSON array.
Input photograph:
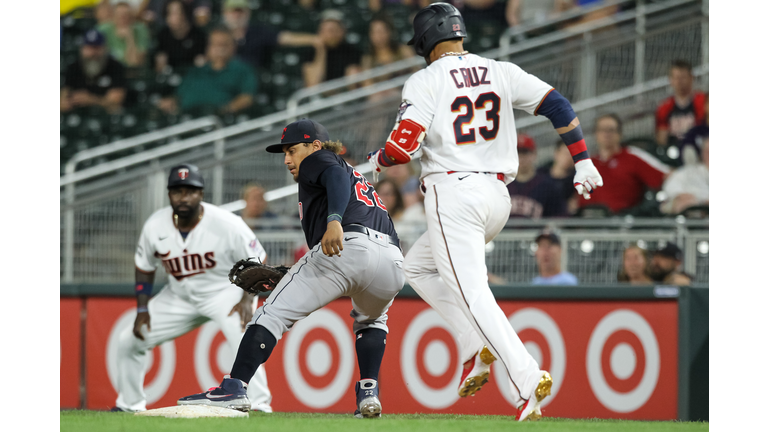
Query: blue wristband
[
  {"x": 143, "y": 288},
  {"x": 141, "y": 309}
]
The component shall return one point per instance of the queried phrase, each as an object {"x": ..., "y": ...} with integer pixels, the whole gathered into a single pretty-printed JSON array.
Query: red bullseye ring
[
  {"x": 433, "y": 334},
  {"x": 212, "y": 354},
  {"x": 616, "y": 383},
  {"x": 318, "y": 334},
  {"x": 535, "y": 336}
]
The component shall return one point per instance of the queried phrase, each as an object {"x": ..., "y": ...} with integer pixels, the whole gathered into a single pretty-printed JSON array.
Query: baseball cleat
[
  {"x": 229, "y": 394},
  {"x": 368, "y": 403},
  {"x": 531, "y": 410},
  {"x": 474, "y": 377}
]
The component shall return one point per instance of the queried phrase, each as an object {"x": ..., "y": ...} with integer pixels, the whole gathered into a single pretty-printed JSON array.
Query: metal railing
[{"x": 233, "y": 156}]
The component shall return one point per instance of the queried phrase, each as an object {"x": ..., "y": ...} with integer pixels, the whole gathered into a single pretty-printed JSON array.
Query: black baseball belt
[{"x": 363, "y": 230}]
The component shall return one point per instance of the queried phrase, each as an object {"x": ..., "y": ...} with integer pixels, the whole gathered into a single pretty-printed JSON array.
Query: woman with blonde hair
[{"x": 635, "y": 266}]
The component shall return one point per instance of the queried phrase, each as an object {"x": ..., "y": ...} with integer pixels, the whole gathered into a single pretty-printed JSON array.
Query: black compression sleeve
[{"x": 335, "y": 179}]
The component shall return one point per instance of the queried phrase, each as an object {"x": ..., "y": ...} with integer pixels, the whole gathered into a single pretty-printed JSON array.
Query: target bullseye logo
[
  {"x": 213, "y": 355},
  {"x": 319, "y": 359},
  {"x": 430, "y": 362},
  {"x": 623, "y": 361},
  {"x": 542, "y": 338},
  {"x": 159, "y": 373}
]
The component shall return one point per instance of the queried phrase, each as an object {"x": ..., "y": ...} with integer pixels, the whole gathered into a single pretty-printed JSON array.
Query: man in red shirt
[
  {"x": 677, "y": 114},
  {"x": 626, "y": 171}
]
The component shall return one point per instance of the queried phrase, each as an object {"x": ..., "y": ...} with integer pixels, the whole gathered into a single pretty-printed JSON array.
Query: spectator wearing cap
[
  {"x": 255, "y": 41},
  {"x": 688, "y": 186},
  {"x": 96, "y": 79},
  {"x": 223, "y": 84},
  {"x": 548, "y": 258},
  {"x": 627, "y": 171},
  {"x": 128, "y": 40},
  {"x": 665, "y": 265},
  {"x": 180, "y": 44},
  {"x": 534, "y": 194},
  {"x": 334, "y": 57}
]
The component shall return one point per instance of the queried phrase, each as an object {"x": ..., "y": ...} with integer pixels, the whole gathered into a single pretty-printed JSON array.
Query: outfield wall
[{"x": 614, "y": 352}]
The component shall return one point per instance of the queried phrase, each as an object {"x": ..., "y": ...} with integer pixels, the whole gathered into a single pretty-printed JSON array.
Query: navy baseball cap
[
  {"x": 185, "y": 175},
  {"x": 93, "y": 37},
  {"x": 548, "y": 235},
  {"x": 670, "y": 250},
  {"x": 300, "y": 131}
]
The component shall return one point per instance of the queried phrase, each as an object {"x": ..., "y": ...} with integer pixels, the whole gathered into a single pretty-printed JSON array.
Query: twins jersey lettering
[
  {"x": 465, "y": 104},
  {"x": 199, "y": 265}
]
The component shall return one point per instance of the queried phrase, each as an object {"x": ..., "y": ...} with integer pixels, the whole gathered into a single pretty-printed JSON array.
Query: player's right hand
[
  {"x": 586, "y": 179},
  {"x": 332, "y": 239},
  {"x": 141, "y": 319}
]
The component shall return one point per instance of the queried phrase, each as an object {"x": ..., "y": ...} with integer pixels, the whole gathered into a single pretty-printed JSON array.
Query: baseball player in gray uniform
[{"x": 339, "y": 211}]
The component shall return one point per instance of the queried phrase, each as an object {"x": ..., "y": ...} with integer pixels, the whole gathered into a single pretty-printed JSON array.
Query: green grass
[{"x": 85, "y": 421}]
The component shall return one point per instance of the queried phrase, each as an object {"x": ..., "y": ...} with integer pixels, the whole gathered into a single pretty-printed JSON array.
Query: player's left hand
[
  {"x": 245, "y": 309},
  {"x": 332, "y": 239},
  {"x": 587, "y": 179},
  {"x": 373, "y": 159}
]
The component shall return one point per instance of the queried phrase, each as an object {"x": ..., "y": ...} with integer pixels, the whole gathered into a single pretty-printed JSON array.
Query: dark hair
[
  {"x": 681, "y": 64},
  {"x": 399, "y": 203},
  {"x": 186, "y": 9},
  {"x": 394, "y": 45},
  {"x": 221, "y": 29},
  {"x": 613, "y": 116}
]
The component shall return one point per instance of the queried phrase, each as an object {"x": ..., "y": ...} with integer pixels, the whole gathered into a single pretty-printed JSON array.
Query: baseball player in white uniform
[
  {"x": 197, "y": 243},
  {"x": 456, "y": 115}
]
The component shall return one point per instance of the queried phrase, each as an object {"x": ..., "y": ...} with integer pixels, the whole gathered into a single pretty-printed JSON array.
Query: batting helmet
[
  {"x": 185, "y": 175},
  {"x": 436, "y": 23}
]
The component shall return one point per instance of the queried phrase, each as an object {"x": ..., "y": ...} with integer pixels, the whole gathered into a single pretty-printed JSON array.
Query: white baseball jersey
[
  {"x": 465, "y": 105},
  {"x": 198, "y": 266}
]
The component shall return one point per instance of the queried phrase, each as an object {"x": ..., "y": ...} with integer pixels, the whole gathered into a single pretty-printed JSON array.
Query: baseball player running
[
  {"x": 197, "y": 243},
  {"x": 456, "y": 115},
  {"x": 339, "y": 211}
]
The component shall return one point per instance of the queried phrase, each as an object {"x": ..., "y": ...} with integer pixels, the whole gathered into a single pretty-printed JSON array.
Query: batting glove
[
  {"x": 587, "y": 179},
  {"x": 373, "y": 159}
]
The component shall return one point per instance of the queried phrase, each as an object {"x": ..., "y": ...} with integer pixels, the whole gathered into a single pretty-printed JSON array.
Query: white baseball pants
[
  {"x": 170, "y": 317},
  {"x": 446, "y": 267}
]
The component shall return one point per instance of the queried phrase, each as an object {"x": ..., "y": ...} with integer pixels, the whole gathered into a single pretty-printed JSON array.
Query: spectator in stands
[
  {"x": 256, "y": 207},
  {"x": 531, "y": 11},
  {"x": 223, "y": 83},
  {"x": 688, "y": 186},
  {"x": 665, "y": 266},
  {"x": 690, "y": 146},
  {"x": 392, "y": 198},
  {"x": 635, "y": 266},
  {"x": 485, "y": 12},
  {"x": 548, "y": 258},
  {"x": 534, "y": 194},
  {"x": 377, "y": 5},
  {"x": 561, "y": 170},
  {"x": 254, "y": 41},
  {"x": 407, "y": 182},
  {"x": 127, "y": 39},
  {"x": 154, "y": 10},
  {"x": 677, "y": 114},
  {"x": 383, "y": 47},
  {"x": 180, "y": 44},
  {"x": 334, "y": 57},
  {"x": 627, "y": 171},
  {"x": 96, "y": 79}
]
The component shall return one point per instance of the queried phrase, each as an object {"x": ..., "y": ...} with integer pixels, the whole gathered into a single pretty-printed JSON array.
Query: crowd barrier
[{"x": 613, "y": 351}]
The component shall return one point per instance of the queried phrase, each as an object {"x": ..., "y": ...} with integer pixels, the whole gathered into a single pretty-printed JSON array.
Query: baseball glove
[{"x": 255, "y": 277}]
